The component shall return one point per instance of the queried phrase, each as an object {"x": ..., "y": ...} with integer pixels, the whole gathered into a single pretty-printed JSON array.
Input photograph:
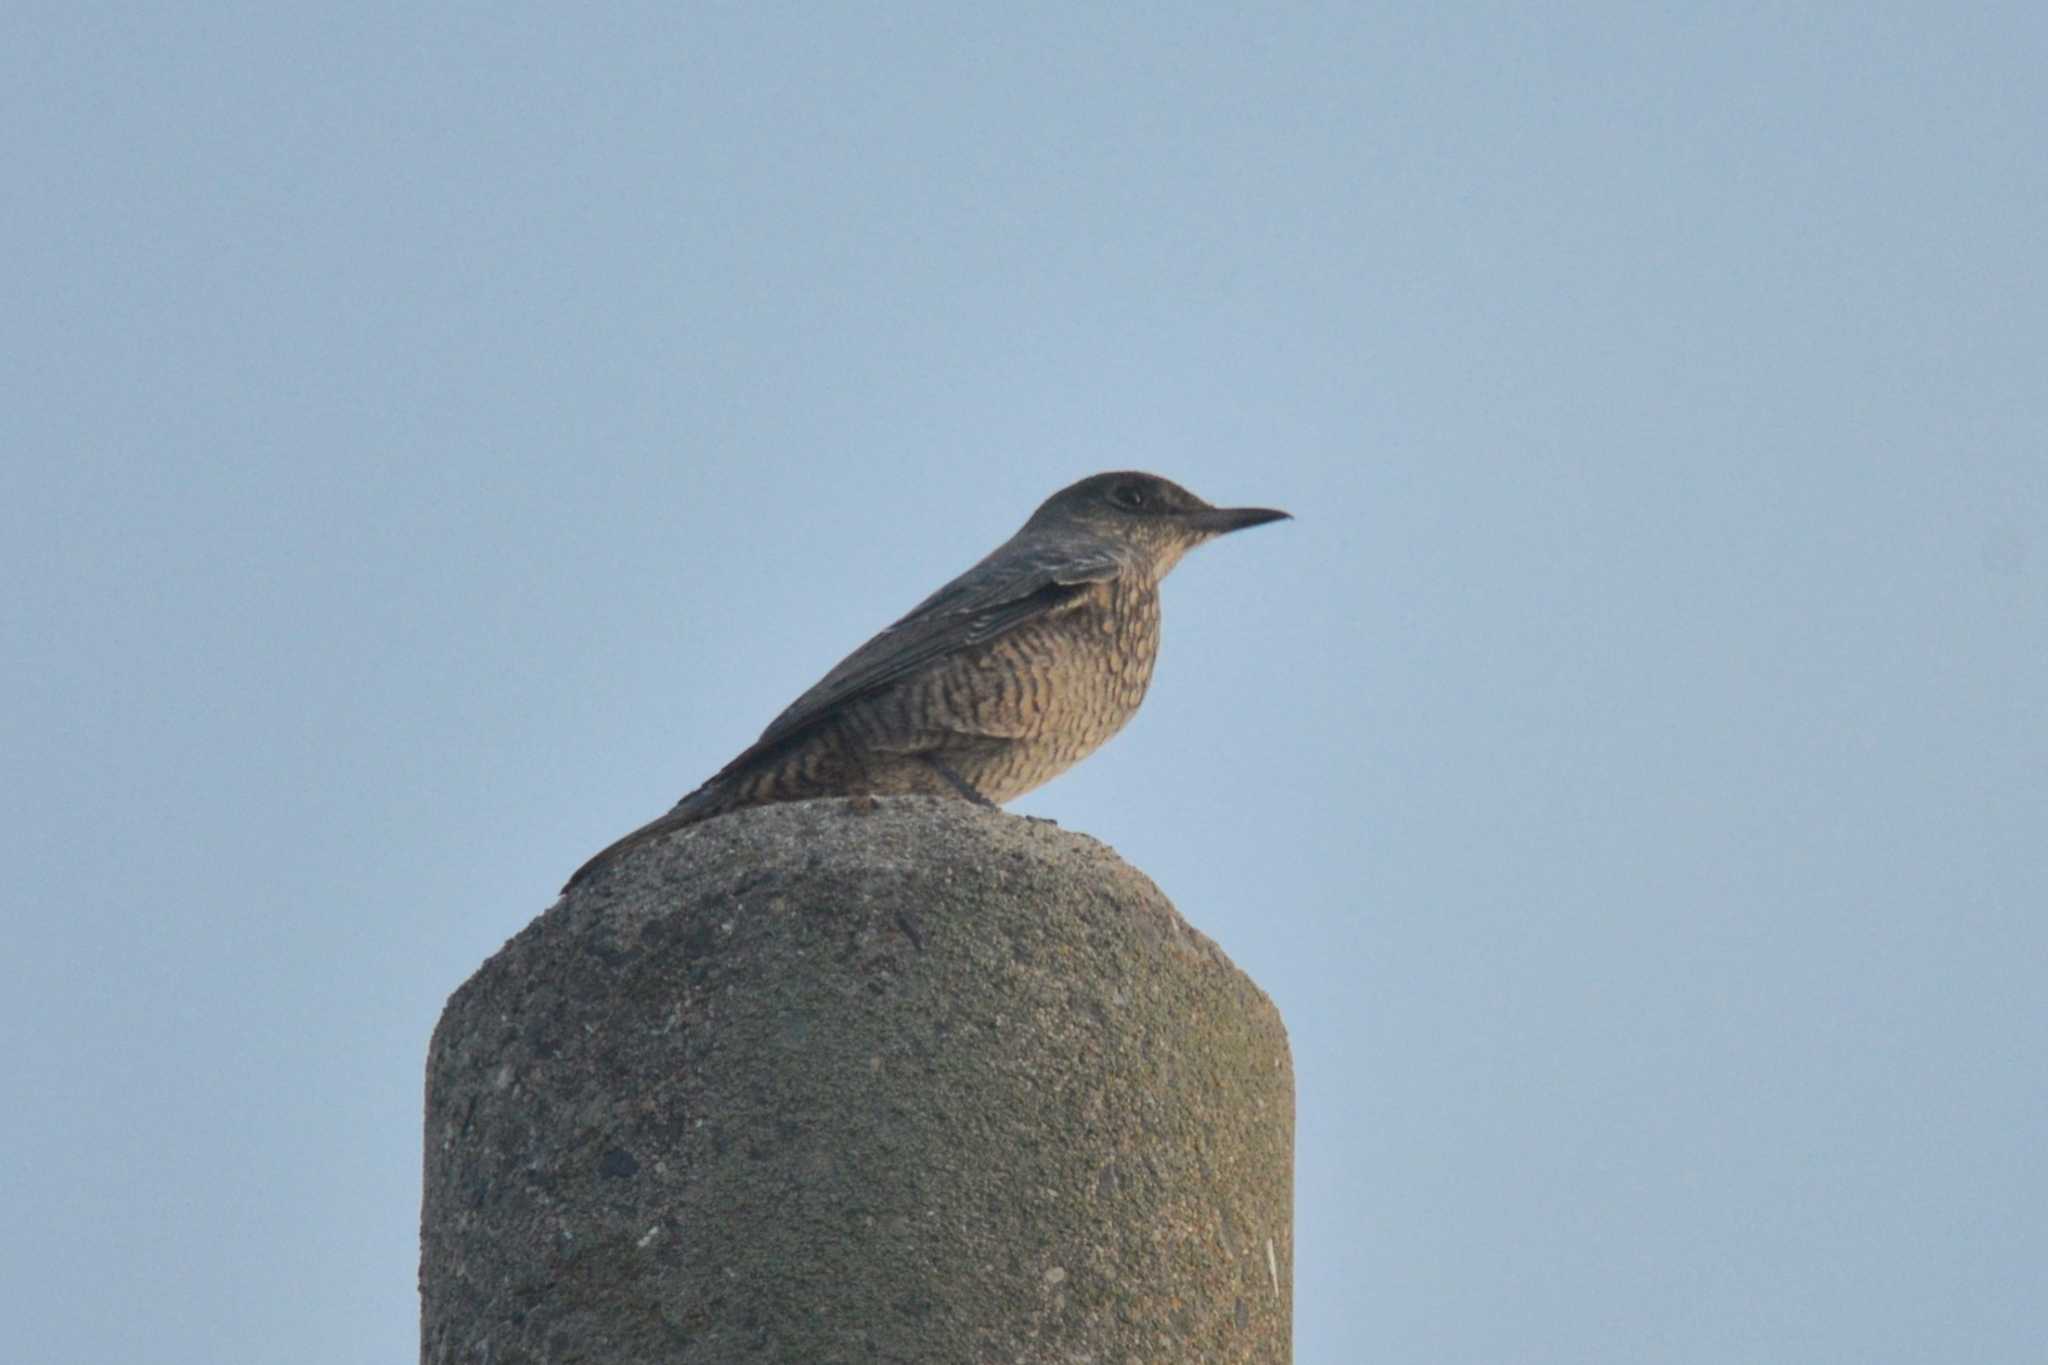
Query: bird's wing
[{"x": 996, "y": 596}]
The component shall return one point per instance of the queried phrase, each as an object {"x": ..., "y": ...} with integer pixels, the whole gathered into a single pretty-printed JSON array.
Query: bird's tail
[{"x": 701, "y": 804}]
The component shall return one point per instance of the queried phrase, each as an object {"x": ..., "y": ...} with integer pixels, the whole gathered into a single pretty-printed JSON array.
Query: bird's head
[{"x": 1153, "y": 520}]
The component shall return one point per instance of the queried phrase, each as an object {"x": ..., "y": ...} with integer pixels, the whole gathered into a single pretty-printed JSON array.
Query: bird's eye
[{"x": 1128, "y": 496}]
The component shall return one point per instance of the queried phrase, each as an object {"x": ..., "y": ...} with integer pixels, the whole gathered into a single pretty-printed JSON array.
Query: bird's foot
[{"x": 958, "y": 783}]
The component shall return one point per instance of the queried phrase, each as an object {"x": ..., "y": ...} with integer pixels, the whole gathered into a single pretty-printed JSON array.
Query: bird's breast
[{"x": 1052, "y": 690}]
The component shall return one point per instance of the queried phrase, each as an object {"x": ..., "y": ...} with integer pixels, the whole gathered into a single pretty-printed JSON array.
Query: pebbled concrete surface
[{"x": 852, "y": 1080}]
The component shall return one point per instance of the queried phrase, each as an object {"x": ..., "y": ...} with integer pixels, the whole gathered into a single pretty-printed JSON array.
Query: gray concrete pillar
[{"x": 856, "y": 1080}]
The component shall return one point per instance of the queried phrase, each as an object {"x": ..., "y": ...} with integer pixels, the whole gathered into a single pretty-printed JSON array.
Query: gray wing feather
[{"x": 996, "y": 596}]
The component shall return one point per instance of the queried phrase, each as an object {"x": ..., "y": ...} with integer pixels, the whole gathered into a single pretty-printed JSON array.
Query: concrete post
[{"x": 854, "y": 1080}]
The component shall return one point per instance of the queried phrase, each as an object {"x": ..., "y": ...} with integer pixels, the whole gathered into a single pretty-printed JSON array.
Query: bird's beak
[{"x": 1218, "y": 521}]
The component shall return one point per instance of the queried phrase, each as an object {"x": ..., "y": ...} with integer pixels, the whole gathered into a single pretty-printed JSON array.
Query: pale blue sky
[{"x": 436, "y": 440}]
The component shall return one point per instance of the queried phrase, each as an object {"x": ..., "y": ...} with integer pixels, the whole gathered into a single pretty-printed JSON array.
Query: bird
[{"x": 996, "y": 683}]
